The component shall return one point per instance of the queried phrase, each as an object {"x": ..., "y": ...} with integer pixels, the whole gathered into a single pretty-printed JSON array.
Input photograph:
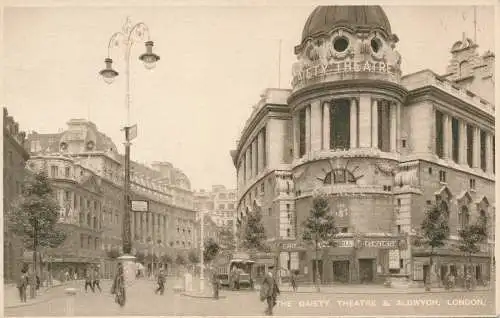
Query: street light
[{"x": 126, "y": 39}]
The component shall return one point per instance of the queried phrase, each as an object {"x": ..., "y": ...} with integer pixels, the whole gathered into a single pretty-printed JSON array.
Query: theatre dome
[{"x": 357, "y": 18}]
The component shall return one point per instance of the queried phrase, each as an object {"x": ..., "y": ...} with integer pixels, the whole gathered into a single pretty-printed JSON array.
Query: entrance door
[
  {"x": 444, "y": 272},
  {"x": 341, "y": 271},
  {"x": 478, "y": 272},
  {"x": 320, "y": 265},
  {"x": 366, "y": 270}
]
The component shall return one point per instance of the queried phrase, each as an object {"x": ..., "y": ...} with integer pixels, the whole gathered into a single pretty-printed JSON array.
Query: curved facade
[{"x": 381, "y": 146}]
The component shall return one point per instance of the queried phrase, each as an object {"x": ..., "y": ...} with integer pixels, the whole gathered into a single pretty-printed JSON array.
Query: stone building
[
  {"x": 14, "y": 173},
  {"x": 381, "y": 145},
  {"x": 219, "y": 203},
  {"x": 166, "y": 228}
]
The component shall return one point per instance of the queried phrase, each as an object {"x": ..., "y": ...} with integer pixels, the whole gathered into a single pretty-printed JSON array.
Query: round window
[
  {"x": 376, "y": 45},
  {"x": 340, "y": 44}
]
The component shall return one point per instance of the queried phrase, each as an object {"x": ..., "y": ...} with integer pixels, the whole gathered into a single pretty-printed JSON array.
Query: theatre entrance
[
  {"x": 341, "y": 271},
  {"x": 366, "y": 270}
]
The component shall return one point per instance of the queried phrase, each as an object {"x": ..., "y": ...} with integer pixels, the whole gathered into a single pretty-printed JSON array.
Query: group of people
[
  {"x": 24, "y": 281},
  {"x": 92, "y": 279}
]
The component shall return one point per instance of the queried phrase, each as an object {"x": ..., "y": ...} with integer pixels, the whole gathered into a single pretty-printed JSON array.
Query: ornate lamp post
[{"x": 126, "y": 39}]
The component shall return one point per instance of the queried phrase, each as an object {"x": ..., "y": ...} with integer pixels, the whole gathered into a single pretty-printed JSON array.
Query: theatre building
[{"x": 381, "y": 145}]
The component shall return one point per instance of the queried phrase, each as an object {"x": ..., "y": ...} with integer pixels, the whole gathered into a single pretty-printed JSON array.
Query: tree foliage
[
  {"x": 180, "y": 259},
  {"x": 35, "y": 214},
  {"x": 113, "y": 252},
  {"x": 435, "y": 228},
  {"x": 193, "y": 257},
  {"x": 471, "y": 235},
  {"x": 211, "y": 250},
  {"x": 254, "y": 235},
  {"x": 167, "y": 259},
  {"x": 319, "y": 227},
  {"x": 227, "y": 239}
]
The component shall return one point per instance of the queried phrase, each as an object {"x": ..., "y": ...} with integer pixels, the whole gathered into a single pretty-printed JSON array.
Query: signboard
[
  {"x": 384, "y": 244},
  {"x": 140, "y": 205},
  {"x": 394, "y": 259}
]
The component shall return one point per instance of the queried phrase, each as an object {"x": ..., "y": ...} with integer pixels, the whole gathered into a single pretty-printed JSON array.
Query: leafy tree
[
  {"x": 227, "y": 239},
  {"x": 113, "y": 253},
  {"x": 319, "y": 229},
  {"x": 193, "y": 257},
  {"x": 435, "y": 231},
  {"x": 254, "y": 235},
  {"x": 471, "y": 235},
  {"x": 35, "y": 214},
  {"x": 167, "y": 259},
  {"x": 211, "y": 250},
  {"x": 180, "y": 259}
]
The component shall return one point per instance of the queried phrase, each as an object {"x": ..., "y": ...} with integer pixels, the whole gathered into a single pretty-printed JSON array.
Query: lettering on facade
[
  {"x": 385, "y": 244},
  {"x": 303, "y": 71}
]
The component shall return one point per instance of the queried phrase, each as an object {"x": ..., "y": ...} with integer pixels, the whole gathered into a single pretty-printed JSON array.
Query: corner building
[{"x": 381, "y": 145}]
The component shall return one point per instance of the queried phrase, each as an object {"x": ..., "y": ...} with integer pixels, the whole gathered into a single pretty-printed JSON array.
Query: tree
[
  {"x": 211, "y": 250},
  {"x": 227, "y": 239},
  {"x": 180, "y": 259},
  {"x": 34, "y": 216},
  {"x": 471, "y": 235},
  {"x": 254, "y": 236},
  {"x": 113, "y": 253},
  {"x": 435, "y": 231},
  {"x": 167, "y": 259},
  {"x": 193, "y": 257},
  {"x": 319, "y": 229}
]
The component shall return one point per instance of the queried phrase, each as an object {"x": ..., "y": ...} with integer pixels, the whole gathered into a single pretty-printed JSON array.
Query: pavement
[
  {"x": 11, "y": 294},
  {"x": 141, "y": 301}
]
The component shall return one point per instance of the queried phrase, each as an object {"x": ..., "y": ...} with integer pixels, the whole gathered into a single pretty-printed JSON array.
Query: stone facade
[
  {"x": 380, "y": 145},
  {"x": 14, "y": 173}
]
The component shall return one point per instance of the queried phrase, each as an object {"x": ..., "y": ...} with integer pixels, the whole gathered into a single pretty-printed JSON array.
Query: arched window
[
  {"x": 462, "y": 68},
  {"x": 463, "y": 217},
  {"x": 339, "y": 176}
]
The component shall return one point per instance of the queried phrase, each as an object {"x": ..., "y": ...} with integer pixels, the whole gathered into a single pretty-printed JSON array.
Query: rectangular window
[
  {"x": 455, "y": 139},
  {"x": 482, "y": 137},
  {"x": 340, "y": 132},
  {"x": 439, "y": 133},
  {"x": 470, "y": 143},
  {"x": 442, "y": 176},
  {"x": 53, "y": 171},
  {"x": 384, "y": 125},
  {"x": 302, "y": 132},
  {"x": 403, "y": 143},
  {"x": 262, "y": 187},
  {"x": 472, "y": 183},
  {"x": 82, "y": 240},
  {"x": 430, "y": 170},
  {"x": 401, "y": 263},
  {"x": 399, "y": 229},
  {"x": 66, "y": 172}
]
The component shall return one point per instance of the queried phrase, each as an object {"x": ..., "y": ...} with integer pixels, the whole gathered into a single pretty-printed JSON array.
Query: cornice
[
  {"x": 434, "y": 94},
  {"x": 350, "y": 87}
]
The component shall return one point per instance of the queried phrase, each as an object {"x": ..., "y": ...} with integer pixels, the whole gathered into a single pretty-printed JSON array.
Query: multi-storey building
[
  {"x": 380, "y": 145},
  {"x": 14, "y": 173},
  {"x": 168, "y": 225},
  {"x": 219, "y": 203}
]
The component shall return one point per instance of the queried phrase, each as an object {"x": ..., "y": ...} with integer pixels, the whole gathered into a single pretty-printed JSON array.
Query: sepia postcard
[{"x": 248, "y": 158}]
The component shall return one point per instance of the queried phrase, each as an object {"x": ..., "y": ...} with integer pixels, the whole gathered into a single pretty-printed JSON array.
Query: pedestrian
[
  {"x": 37, "y": 278},
  {"x": 161, "y": 282},
  {"x": 118, "y": 287},
  {"x": 293, "y": 280},
  {"x": 269, "y": 291},
  {"x": 215, "y": 283},
  {"x": 96, "y": 281},
  {"x": 22, "y": 284},
  {"x": 66, "y": 276},
  {"x": 89, "y": 280}
]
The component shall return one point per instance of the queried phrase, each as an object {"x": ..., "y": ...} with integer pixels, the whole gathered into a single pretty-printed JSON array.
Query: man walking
[
  {"x": 22, "y": 284},
  {"x": 161, "y": 282},
  {"x": 215, "y": 283},
  {"x": 269, "y": 291},
  {"x": 97, "y": 280},
  {"x": 89, "y": 279}
]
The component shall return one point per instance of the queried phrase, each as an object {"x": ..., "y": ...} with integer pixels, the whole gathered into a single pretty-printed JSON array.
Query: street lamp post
[{"x": 126, "y": 39}]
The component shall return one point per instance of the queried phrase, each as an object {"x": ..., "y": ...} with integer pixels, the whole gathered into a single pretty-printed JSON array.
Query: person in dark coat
[
  {"x": 89, "y": 279},
  {"x": 215, "y": 283},
  {"x": 22, "y": 284},
  {"x": 161, "y": 282},
  {"x": 96, "y": 280},
  {"x": 269, "y": 291},
  {"x": 293, "y": 280},
  {"x": 118, "y": 287}
]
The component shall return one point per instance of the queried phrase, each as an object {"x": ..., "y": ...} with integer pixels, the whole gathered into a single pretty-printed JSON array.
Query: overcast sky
[{"x": 215, "y": 62}]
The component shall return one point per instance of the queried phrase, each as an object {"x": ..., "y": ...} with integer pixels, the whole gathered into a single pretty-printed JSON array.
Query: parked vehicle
[{"x": 234, "y": 270}]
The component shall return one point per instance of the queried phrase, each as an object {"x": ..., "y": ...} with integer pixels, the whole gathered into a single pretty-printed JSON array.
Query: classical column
[
  {"x": 260, "y": 143},
  {"x": 316, "y": 125},
  {"x": 476, "y": 148},
  {"x": 446, "y": 136},
  {"x": 462, "y": 143},
  {"x": 353, "y": 118},
  {"x": 365, "y": 108},
  {"x": 374, "y": 123},
  {"x": 398, "y": 126},
  {"x": 449, "y": 128},
  {"x": 254, "y": 158},
  {"x": 308, "y": 129},
  {"x": 165, "y": 230},
  {"x": 489, "y": 153},
  {"x": 326, "y": 125},
  {"x": 144, "y": 230},
  {"x": 296, "y": 131},
  {"x": 393, "y": 130},
  {"x": 248, "y": 162}
]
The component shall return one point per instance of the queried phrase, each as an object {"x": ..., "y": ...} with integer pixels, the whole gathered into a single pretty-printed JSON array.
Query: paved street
[{"x": 142, "y": 301}]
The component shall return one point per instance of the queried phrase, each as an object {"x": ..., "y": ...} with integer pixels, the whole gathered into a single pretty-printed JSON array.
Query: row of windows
[
  {"x": 86, "y": 241},
  {"x": 456, "y": 135},
  {"x": 230, "y": 206}
]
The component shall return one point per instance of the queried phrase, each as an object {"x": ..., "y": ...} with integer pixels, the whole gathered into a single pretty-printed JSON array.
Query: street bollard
[{"x": 70, "y": 301}]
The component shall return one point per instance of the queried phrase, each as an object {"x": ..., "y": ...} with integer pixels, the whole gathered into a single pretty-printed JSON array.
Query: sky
[{"x": 215, "y": 62}]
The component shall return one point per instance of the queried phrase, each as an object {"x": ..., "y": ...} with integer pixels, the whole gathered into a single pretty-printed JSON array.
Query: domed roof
[{"x": 325, "y": 18}]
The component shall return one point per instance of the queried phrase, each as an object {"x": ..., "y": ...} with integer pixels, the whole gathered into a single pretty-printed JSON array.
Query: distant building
[
  {"x": 14, "y": 173},
  {"x": 219, "y": 203},
  {"x": 380, "y": 145},
  {"x": 167, "y": 228}
]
